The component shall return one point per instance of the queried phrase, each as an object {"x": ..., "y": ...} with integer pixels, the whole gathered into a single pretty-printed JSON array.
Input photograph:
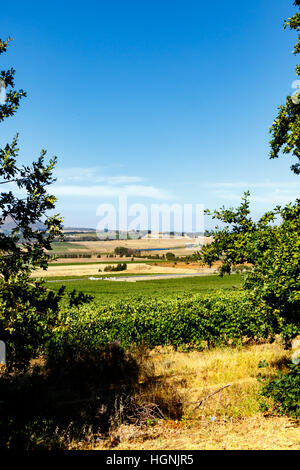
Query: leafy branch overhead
[
  {"x": 24, "y": 248},
  {"x": 29, "y": 312},
  {"x": 285, "y": 130},
  {"x": 13, "y": 97},
  {"x": 271, "y": 245}
]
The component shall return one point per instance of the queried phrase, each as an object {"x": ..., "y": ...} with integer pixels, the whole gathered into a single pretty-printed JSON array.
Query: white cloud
[
  {"x": 91, "y": 175},
  {"x": 257, "y": 185},
  {"x": 123, "y": 179},
  {"x": 103, "y": 191},
  {"x": 264, "y": 192},
  {"x": 89, "y": 182}
]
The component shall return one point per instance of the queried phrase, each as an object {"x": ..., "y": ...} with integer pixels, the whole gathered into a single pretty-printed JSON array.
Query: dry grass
[
  {"x": 143, "y": 244},
  {"x": 252, "y": 433},
  {"x": 228, "y": 420},
  {"x": 92, "y": 269}
]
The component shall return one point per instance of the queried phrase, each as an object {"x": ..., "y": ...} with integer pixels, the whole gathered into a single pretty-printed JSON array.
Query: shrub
[
  {"x": 187, "y": 321},
  {"x": 119, "y": 267},
  {"x": 283, "y": 392},
  {"x": 170, "y": 256},
  {"x": 272, "y": 248},
  {"x": 124, "y": 251}
]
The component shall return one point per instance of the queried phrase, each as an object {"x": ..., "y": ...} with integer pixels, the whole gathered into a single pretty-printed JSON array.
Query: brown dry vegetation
[
  {"x": 132, "y": 268},
  {"x": 228, "y": 420},
  {"x": 144, "y": 244}
]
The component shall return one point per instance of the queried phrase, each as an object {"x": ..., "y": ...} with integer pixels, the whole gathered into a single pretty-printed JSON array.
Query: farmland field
[
  {"x": 107, "y": 290},
  {"x": 93, "y": 269},
  {"x": 183, "y": 246},
  {"x": 66, "y": 246}
]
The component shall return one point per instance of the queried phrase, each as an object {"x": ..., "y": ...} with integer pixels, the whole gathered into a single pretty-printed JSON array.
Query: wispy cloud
[
  {"x": 256, "y": 185},
  {"x": 90, "y": 183},
  {"x": 105, "y": 191},
  {"x": 273, "y": 192},
  {"x": 92, "y": 175}
]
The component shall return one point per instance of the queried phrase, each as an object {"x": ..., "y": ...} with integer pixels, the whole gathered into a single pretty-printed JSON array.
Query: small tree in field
[{"x": 28, "y": 311}]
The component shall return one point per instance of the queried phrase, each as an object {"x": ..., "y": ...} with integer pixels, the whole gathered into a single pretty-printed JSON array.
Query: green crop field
[
  {"x": 112, "y": 290},
  {"x": 108, "y": 261},
  {"x": 65, "y": 246}
]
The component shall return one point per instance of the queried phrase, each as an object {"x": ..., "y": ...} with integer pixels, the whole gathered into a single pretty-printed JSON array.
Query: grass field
[
  {"x": 229, "y": 420},
  {"x": 81, "y": 262},
  {"x": 144, "y": 244},
  {"x": 66, "y": 246},
  {"x": 107, "y": 290}
]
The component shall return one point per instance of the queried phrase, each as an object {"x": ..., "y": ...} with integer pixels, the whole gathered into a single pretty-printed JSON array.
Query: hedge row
[{"x": 191, "y": 321}]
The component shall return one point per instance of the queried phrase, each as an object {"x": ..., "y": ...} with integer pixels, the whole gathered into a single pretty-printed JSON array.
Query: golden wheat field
[
  {"x": 183, "y": 243},
  {"x": 93, "y": 269}
]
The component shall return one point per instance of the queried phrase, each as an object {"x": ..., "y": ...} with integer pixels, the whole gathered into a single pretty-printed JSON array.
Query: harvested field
[
  {"x": 144, "y": 244},
  {"x": 92, "y": 269}
]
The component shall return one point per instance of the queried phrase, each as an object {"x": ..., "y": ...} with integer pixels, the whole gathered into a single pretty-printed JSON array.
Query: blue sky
[{"x": 165, "y": 101}]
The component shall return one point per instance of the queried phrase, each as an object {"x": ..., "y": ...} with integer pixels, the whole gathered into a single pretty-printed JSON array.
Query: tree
[
  {"x": 28, "y": 311},
  {"x": 271, "y": 245},
  {"x": 7, "y": 79},
  {"x": 273, "y": 250},
  {"x": 285, "y": 130}
]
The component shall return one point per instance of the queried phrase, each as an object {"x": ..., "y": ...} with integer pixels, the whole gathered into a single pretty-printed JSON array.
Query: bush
[
  {"x": 271, "y": 246},
  {"x": 283, "y": 392},
  {"x": 124, "y": 251},
  {"x": 119, "y": 267},
  {"x": 187, "y": 321}
]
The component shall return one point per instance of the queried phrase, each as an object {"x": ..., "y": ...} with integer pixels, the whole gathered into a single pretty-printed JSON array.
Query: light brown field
[
  {"x": 143, "y": 244},
  {"x": 229, "y": 420},
  {"x": 92, "y": 269}
]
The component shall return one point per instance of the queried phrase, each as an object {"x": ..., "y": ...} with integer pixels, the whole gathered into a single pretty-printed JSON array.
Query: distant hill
[
  {"x": 78, "y": 230},
  {"x": 9, "y": 224}
]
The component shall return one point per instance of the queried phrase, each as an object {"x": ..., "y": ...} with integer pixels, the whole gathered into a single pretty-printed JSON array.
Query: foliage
[
  {"x": 79, "y": 298},
  {"x": 271, "y": 245},
  {"x": 28, "y": 313},
  {"x": 124, "y": 251},
  {"x": 273, "y": 250},
  {"x": 107, "y": 291},
  {"x": 13, "y": 97},
  {"x": 27, "y": 309},
  {"x": 283, "y": 391},
  {"x": 185, "y": 321},
  {"x": 285, "y": 130},
  {"x": 119, "y": 267}
]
